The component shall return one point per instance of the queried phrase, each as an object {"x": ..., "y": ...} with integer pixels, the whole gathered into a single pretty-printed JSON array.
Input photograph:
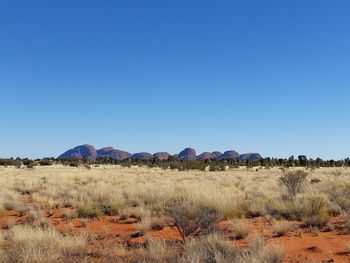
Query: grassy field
[{"x": 191, "y": 203}]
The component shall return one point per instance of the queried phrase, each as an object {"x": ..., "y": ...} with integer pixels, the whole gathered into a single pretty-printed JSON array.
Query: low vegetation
[
  {"x": 240, "y": 228},
  {"x": 282, "y": 227},
  {"x": 193, "y": 203},
  {"x": 211, "y": 248},
  {"x": 26, "y": 244}
]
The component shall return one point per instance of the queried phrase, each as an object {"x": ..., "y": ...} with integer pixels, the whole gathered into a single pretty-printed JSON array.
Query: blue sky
[{"x": 255, "y": 76}]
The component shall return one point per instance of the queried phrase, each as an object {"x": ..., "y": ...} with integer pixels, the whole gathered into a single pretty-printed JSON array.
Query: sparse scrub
[
  {"x": 192, "y": 197},
  {"x": 321, "y": 219},
  {"x": 293, "y": 181},
  {"x": 69, "y": 213},
  {"x": 192, "y": 221},
  {"x": 315, "y": 181},
  {"x": 26, "y": 244},
  {"x": 88, "y": 212},
  {"x": 151, "y": 223},
  {"x": 282, "y": 227},
  {"x": 210, "y": 249},
  {"x": 315, "y": 213},
  {"x": 160, "y": 252},
  {"x": 138, "y": 213},
  {"x": 241, "y": 228}
]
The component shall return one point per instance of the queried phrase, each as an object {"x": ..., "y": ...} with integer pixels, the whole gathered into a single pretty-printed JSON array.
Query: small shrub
[
  {"x": 313, "y": 203},
  {"x": 240, "y": 228},
  {"x": 69, "y": 213},
  {"x": 134, "y": 212},
  {"x": 191, "y": 221},
  {"x": 341, "y": 196},
  {"x": 159, "y": 252},
  {"x": 282, "y": 227},
  {"x": 210, "y": 248},
  {"x": 27, "y": 244},
  {"x": 321, "y": 219},
  {"x": 334, "y": 209},
  {"x": 257, "y": 208},
  {"x": 293, "y": 181},
  {"x": 234, "y": 212},
  {"x": 315, "y": 181},
  {"x": 151, "y": 223},
  {"x": 87, "y": 212},
  {"x": 45, "y": 163},
  {"x": 288, "y": 209},
  {"x": 260, "y": 252},
  {"x": 314, "y": 211},
  {"x": 74, "y": 164}
]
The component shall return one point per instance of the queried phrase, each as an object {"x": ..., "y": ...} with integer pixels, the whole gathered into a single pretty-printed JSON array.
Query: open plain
[{"x": 139, "y": 214}]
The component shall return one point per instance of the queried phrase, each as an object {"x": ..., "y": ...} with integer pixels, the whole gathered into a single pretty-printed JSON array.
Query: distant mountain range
[{"x": 89, "y": 151}]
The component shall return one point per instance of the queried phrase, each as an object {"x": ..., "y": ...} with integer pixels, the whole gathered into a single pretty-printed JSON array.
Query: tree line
[{"x": 173, "y": 163}]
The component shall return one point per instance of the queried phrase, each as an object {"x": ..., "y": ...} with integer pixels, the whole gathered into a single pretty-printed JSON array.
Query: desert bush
[
  {"x": 241, "y": 228},
  {"x": 88, "y": 212},
  {"x": 45, "y": 162},
  {"x": 333, "y": 209},
  {"x": 138, "y": 213},
  {"x": 320, "y": 219},
  {"x": 281, "y": 227},
  {"x": 258, "y": 208},
  {"x": 341, "y": 196},
  {"x": 293, "y": 181},
  {"x": 30, "y": 166},
  {"x": 69, "y": 213},
  {"x": 287, "y": 209},
  {"x": 159, "y": 252},
  {"x": 192, "y": 221},
  {"x": 211, "y": 249},
  {"x": 313, "y": 203},
  {"x": 260, "y": 252},
  {"x": 74, "y": 164},
  {"x": 151, "y": 223},
  {"x": 114, "y": 210},
  {"x": 26, "y": 244},
  {"x": 314, "y": 209},
  {"x": 315, "y": 181}
]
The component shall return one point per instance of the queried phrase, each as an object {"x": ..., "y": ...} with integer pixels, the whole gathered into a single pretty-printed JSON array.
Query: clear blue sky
[{"x": 264, "y": 76}]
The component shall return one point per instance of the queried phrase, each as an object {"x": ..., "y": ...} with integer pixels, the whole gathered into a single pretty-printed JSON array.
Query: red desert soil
[{"x": 300, "y": 245}]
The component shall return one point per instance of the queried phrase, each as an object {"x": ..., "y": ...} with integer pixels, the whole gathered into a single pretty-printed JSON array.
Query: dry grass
[
  {"x": 282, "y": 227},
  {"x": 151, "y": 223},
  {"x": 25, "y": 244},
  {"x": 240, "y": 228},
  {"x": 148, "y": 194},
  {"x": 211, "y": 248}
]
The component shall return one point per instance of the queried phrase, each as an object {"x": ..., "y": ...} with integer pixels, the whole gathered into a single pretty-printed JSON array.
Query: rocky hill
[
  {"x": 80, "y": 151},
  {"x": 187, "y": 154},
  {"x": 89, "y": 151},
  {"x": 161, "y": 155},
  {"x": 114, "y": 153}
]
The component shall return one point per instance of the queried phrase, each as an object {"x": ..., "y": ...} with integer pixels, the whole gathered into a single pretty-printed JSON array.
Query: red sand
[{"x": 302, "y": 245}]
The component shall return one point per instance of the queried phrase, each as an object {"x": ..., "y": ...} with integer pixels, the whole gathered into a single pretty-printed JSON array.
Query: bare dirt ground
[{"x": 301, "y": 245}]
